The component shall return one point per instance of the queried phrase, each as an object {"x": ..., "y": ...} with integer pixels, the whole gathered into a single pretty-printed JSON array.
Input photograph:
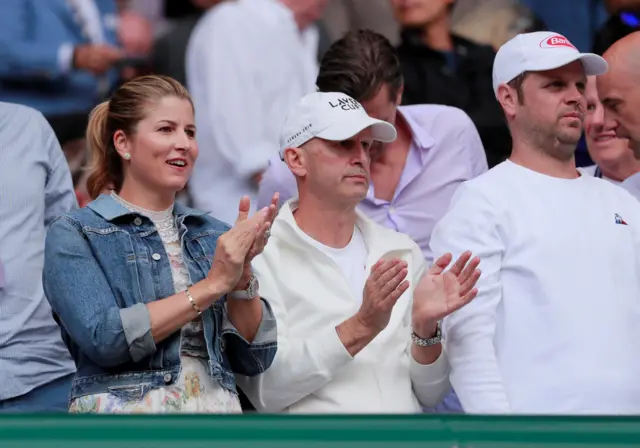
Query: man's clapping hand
[{"x": 439, "y": 293}]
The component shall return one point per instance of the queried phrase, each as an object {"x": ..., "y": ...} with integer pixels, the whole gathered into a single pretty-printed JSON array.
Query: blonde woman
[{"x": 157, "y": 302}]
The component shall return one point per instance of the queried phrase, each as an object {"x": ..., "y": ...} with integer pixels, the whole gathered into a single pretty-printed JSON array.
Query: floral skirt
[{"x": 193, "y": 392}]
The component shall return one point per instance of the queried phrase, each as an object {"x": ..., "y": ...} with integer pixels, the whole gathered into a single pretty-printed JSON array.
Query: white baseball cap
[
  {"x": 330, "y": 116},
  {"x": 540, "y": 51}
]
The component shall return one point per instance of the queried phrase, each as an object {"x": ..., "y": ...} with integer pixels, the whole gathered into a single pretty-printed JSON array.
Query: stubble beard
[{"x": 555, "y": 142}]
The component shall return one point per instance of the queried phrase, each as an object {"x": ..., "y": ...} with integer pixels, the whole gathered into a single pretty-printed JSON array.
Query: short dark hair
[
  {"x": 516, "y": 83},
  {"x": 359, "y": 65}
]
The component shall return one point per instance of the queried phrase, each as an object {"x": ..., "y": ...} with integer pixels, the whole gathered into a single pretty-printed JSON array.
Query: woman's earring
[{"x": 127, "y": 156}]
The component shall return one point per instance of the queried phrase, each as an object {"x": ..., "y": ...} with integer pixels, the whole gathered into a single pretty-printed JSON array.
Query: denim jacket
[{"x": 103, "y": 263}]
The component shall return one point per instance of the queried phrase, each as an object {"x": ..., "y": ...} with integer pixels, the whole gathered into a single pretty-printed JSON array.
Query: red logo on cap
[{"x": 556, "y": 41}]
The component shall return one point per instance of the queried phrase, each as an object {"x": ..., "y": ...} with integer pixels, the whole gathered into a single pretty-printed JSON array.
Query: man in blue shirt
[{"x": 35, "y": 186}]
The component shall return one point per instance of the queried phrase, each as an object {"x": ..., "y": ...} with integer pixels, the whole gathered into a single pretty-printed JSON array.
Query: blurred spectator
[
  {"x": 493, "y": 22},
  {"x": 248, "y": 61},
  {"x": 169, "y": 52},
  {"x": 442, "y": 68},
  {"x": 153, "y": 11},
  {"x": 134, "y": 33},
  {"x": 59, "y": 57},
  {"x": 577, "y": 20},
  {"x": 614, "y": 160},
  {"x": 35, "y": 187},
  {"x": 342, "y": 16},
  {"x": 624, "y": 20}
]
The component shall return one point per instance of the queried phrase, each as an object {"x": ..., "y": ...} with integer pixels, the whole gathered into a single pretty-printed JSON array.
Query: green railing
[{"x": 425, "y": 431}]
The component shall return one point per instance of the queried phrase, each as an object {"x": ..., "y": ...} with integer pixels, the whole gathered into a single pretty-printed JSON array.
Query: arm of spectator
[
  {"x": 430, "y": 381},
  {"x": 231, "y": 96},
  {"x": 22, "y": 55},
  {"x": 59, "y": 195},
  {"x": 82, "y": 298},
  {"x": 471, "y": 224},
  {"x": 277, "y": 178},
  {"x": 301, "y": 366}
]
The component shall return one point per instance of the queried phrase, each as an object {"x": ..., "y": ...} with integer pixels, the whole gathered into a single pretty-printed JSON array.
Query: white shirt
[
  {"x": 247, "y": 64},
  {"x": 312, "y": 371},
  {"x": 556, "y": 324},
  {"x": 632, "y": 185},
  {"x": 351, "y": 260},
  {"x": 591, "y": 171}
]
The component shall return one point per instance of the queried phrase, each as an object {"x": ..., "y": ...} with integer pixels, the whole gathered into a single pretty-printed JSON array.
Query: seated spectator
[
  {"x": 347, "y": 292},
  {"x": 412, "y": 178},
  {"x": 440, "y": 67},
  {"x": 559, "y": 250},
  {"x": 35, "y": 186},
  {"x": 614, "y": 160},
  {"x": 157, "y": 302}
]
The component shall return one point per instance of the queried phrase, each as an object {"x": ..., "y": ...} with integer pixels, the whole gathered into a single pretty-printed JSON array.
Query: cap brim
[
  {"x": 593, "y": 64},
  {"x": 380, "y": 130}
]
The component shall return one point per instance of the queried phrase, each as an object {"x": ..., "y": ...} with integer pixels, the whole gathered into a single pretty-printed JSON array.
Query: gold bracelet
[{"x": 196, "y": 308}]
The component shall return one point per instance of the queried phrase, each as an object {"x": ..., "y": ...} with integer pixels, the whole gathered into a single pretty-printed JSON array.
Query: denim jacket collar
[{"x": 110, "y": 209}]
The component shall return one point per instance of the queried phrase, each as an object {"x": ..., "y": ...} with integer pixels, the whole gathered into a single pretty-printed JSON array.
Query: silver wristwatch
[
  {"x": 246, "y": 294},
  {"x": 430, "y": 341}
]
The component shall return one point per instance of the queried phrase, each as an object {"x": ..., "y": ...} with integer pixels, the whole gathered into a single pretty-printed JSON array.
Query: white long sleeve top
[
  {"x": 312, "y": 371},
  {"x": 556, "y": 324}
]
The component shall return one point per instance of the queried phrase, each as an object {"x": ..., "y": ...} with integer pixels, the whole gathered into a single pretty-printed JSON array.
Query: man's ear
[
  {"x": 508, "y": 99},
  {"x": 295, "y": 158}
]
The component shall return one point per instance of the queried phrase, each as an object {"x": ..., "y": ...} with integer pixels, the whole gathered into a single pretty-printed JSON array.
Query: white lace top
[{"x": 194, "y": 391}]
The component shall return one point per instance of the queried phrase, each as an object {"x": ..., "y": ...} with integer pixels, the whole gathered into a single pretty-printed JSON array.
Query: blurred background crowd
[{"x": 62, "y": 57}]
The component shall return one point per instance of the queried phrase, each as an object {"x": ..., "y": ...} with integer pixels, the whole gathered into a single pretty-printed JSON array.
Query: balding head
[{"x": 619, "y": 88}]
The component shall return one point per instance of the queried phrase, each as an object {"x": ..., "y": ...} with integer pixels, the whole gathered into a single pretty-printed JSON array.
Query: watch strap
[
  {"x": 246, "y": 294},
  {"x": 422, "y": 342}
]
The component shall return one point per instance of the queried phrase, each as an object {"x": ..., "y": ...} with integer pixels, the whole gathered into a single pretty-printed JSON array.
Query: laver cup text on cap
[
  {"x": 346, "y": 103},
  {"x": 298, "y": 134}
]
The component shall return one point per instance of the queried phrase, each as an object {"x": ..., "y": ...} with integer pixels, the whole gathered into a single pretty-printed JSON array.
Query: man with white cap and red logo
[
  {"x": 358, "y": 310},
  {"x": 555, "y": 326}
]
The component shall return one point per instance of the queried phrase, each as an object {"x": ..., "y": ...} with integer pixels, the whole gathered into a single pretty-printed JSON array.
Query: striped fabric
[{"x": 35, "y": 186}]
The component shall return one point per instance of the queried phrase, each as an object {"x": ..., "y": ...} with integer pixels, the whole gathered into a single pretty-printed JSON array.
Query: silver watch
[
  {"x": 246, "y": 294},
  {"x": 430, "y": 341}
]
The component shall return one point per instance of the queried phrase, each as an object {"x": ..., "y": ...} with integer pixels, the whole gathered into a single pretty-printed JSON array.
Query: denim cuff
[
  {"x": 267, "y": 331},
  {"x": 136, "y": 323}
]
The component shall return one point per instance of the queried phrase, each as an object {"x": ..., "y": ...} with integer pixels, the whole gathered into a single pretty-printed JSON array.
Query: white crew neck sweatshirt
[{"x": 556, "y": 324}]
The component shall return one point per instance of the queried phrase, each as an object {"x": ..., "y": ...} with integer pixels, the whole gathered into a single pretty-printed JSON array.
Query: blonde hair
[{"x": 126, "y": 108}]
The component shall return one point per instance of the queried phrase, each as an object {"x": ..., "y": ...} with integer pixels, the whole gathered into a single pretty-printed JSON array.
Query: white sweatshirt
[
  {"x": 556, "y": 325},
  {"x": 312, "y": 371}
]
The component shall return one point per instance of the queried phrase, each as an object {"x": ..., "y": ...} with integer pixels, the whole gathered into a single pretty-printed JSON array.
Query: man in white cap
[
  {"x": 555, "y": 326},
  {"x": 358, "y": 311}
]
